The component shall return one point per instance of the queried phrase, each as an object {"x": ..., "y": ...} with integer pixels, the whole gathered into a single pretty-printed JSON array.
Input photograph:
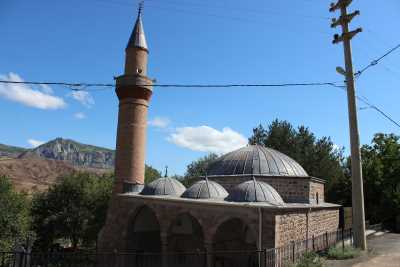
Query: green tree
[
  {"x": 72, "y": 211},
  {"x": 14, "y": 215},
  {"x": 151, "y": 174},
  {"x": 319, "y": 157},
  {"x": 381, "y": 173},
  {"x": 198, "y": 168}
]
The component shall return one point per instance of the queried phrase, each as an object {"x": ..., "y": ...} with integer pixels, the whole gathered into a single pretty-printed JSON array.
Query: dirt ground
[{"x": 383, "y": 250}]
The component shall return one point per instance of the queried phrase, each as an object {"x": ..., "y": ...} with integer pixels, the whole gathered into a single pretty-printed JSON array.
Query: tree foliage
[
  {"x": 72, "y": 211},
  {"x": 381, "y": 172},
  {"x": 14, "y": 215},
  {"x": 318, "y": 156},
  {"x": 151, "y": 174},
  {"x": 198, "y": 168}
]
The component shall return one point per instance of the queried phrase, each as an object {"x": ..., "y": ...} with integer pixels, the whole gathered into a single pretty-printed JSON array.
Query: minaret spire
[{"x": 138, "y": 38}]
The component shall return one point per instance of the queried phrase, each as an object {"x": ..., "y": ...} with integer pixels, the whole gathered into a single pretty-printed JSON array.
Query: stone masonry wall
[
  {"x": 294, "y": 225},
  {"x": 210, "y": 217},
  {"x": 317, "y": 194},
  {"x": 292, "y": 190},
  {"x": 322, "y": 221}
]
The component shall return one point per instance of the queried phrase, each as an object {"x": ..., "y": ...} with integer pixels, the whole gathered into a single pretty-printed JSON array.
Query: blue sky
[{"x": 192, "y": 42}]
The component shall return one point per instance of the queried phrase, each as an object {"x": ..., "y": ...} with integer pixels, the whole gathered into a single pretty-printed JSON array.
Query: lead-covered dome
[
  {"x": 205, "y": 189},
  {"x": 164, "y": 186},
  {"x": 256, "y": 160},
  {"x": 255, "y": 191}
]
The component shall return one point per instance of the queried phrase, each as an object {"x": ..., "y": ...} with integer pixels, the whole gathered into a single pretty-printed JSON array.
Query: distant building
[{"x": 253, "y": 198}]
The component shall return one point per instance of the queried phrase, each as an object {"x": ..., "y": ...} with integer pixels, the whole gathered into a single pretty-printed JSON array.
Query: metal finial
[
  {"x": 166, "y": 172},
  {"x": 141, "y": 4},
  {"x": 208, "y": 186}
]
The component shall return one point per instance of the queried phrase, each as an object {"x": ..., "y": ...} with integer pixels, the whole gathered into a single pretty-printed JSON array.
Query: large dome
[{"x": 256, "y": 160}]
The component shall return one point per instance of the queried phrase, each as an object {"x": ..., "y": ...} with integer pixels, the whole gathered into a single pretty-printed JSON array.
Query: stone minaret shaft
[{"x": 134, "y": 90}]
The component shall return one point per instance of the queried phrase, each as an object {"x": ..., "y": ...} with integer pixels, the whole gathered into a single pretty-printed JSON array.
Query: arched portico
[
  {"x": 234, "y": 244},
  {"x": 185, "y": 237},
  {"x": 143, "y": 238}
]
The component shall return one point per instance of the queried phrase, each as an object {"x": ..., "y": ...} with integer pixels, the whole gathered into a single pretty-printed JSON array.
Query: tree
[
  {"x": 14, "y": 215},
  {"x": 381, "y": 172},
  {"x": 72, "y": 211},
  {"x": 198, "y": 168},
  {"x": 151, "y": 174},
  {"x": 319, "y": 157}
]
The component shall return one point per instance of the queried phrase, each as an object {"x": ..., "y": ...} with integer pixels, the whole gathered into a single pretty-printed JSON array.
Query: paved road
[{"x": 383, "y": 250}]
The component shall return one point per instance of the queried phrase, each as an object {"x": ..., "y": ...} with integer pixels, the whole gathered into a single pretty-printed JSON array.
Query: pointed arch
[
  {"x": 234, "y": 244},
  {"x": 144, "y": 231}
]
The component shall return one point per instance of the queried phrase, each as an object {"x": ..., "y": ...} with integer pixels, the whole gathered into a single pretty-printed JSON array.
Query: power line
[
  {"x": 378, "y": 110},
  {"x": 199, "y": 11},
  {"x": 364, "y": 100},
  {"x": 84, "y": 86},
  {"x": 376, "y": 61},
  {"x": 106, "y": 86}
]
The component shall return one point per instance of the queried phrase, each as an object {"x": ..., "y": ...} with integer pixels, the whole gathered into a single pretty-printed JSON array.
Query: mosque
[{"x": 252, "y": 199}]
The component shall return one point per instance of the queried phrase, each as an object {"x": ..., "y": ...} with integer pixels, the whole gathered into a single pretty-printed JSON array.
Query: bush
[
  {"x": 71, "y": 212},
  {"x": 14, "y": 215},
  {"x": 338, "y": 253},
  {"x": 310, "y": 259}
]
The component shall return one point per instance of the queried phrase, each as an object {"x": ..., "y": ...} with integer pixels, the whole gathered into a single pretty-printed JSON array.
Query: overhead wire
[
  {"x": 376, "y": 61},
  {"x": 102, "y": 86},
  {"x": 197, "y": 10},
  {"x": 85, "y": 86}
]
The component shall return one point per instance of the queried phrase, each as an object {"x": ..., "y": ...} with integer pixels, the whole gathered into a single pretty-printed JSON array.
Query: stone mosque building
[{"x": 253, "y": 198}]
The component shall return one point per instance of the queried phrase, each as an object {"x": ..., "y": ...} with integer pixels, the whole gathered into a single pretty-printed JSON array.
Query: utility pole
[{"x": 356, "y": 170}]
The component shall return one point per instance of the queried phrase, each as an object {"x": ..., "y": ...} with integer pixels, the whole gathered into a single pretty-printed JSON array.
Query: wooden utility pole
[{"x": 356, "y": 170}]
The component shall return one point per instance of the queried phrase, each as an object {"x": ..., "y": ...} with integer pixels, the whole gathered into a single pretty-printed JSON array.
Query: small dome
[
  {"x": 164, "y": 186},
  {"x": 256, "y": 160},
  {"x": 255, "y": 191},
  {"x": 205, "y": 189}
]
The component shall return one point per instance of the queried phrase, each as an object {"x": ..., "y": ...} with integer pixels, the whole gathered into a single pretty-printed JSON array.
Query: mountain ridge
[{"x": 76, "y": 153}]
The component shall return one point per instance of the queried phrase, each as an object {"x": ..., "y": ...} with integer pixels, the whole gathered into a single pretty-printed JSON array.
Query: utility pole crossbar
[{"x": 356, "y": 170}]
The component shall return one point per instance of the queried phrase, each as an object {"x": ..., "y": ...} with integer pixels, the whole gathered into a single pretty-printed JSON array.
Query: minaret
[{"x": 134, "y": 90}]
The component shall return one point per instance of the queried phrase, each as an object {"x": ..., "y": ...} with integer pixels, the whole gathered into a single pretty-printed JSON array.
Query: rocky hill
[
  {"x": 78, "y": 154},
  {"x": 10, "y": 151},
  {"x": 35, "y": 169}
]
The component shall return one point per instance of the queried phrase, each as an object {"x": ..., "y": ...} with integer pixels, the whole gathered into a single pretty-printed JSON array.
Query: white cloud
[
  {"x": 28, "y": 96},
  {"x": 207, "y": 139},
  {"x": 159, "y": 122},
  {"x": 80, "y": 115},
  {"x": 83, "y": 97},
  {"x": 46, "y": 89},
  {"x": 35, "y": 143}
]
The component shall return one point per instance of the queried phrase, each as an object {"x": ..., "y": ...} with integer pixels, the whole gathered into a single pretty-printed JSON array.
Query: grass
[
  {"x": 338, "y": 253},
  {"x": 310, "y": 259}
]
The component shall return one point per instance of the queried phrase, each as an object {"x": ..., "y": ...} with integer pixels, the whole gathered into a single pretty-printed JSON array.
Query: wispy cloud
[
  {"x": 46, "y": 89},
  {"x": 80, "y": 115},
  {"x": 26, "y": 95},
  {"x": 83, "y": 97},
  {"x": 207, "y": 139},
  {"x": 35, "y": 143},
  {"x": 159, "y": 122}
]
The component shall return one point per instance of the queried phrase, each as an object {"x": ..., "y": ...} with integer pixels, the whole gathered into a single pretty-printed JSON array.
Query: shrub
[
  {"x": 310, "y": 259},
  {"x": 338, "y": 253}
]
